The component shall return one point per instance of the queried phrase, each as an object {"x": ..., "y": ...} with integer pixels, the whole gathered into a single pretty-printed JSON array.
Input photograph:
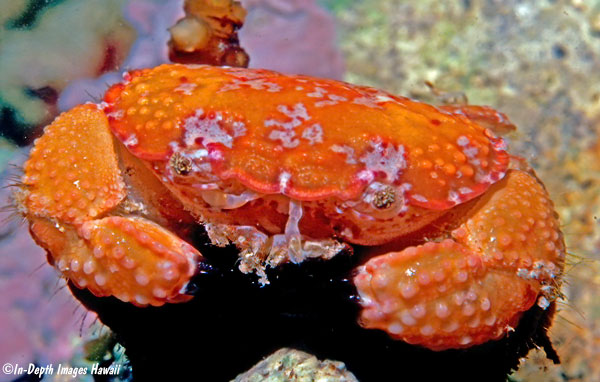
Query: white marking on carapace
[
  {"x": 116, "y": 114},
  {"x": 284, "y": 179},
  {"x": 131, "y": 141},
  {"x": 211, "y": 129},
  {"x": 298, "y": 114},
  {"x": 313, "y": 134},
  {"x": 245, "y": 74},
  {"x": 454, "y": 197},
  {"x": 386, "y": 158},
  {"x": 420, "y": 198},
  {"x": 343, "y": 149},
  {"x": 367, "y": 101},
  {"x": 286, "y": 137},
  {"x": 256, "y": 84},
  {"x": 384, "y": 98},
  {"x": 331, "y": 100},
  {"x": 318, "y": 93},
  {"x": 365, "y": 176},
  {"x": 186, "y": 88},
  {"x": 463, "y": 141},
  {"x": 471, "y": 152}
]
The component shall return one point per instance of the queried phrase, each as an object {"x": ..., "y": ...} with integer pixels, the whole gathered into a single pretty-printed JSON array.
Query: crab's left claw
[
  {"x": 73, "y": 184},
  {"x": 473, "y": 287}
]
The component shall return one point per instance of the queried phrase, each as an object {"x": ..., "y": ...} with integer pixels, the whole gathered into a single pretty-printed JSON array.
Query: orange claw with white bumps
[
  {"x": 473, "y": 286},
  {"x": 460, "y": 237},
  {"x": 73, "y": 184}
]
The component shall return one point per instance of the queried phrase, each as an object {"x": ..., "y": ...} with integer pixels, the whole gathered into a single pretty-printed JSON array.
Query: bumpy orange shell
[{"x": 305, "y": 138}]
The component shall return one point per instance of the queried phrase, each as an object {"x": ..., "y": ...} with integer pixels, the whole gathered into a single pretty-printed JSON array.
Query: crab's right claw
[
  {"x": 473, "y": 288},
  {"x": 72, "y": 185}
]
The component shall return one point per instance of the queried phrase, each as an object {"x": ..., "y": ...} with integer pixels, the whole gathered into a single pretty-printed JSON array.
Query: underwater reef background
[{"x": 538, "y": 62}]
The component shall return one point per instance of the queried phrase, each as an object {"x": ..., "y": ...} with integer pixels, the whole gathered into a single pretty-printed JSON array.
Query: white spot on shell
[
  {"x": 186, "y": 88},
  {"x": 407, "y": 318},
  {"x": 286, "y": 137},
  {"x": 408, "y": 290},
  {"x": 441, "y": 310},
  {"x": 331, "y": 100},
  {"x": 284, "y": 179},
  {"x": 318, "y": 93},
  {"x": 159, "y": 292},
  {"x": 418, "y": 311},
  {"x": 343, "y": 149},
  {"x": 454, "y": 197},
  {"x": 420, "y": 198},
  {"x": 88, "y": 267},
  {"x": 131, "y": 141},
  {"x": 427, "y": 330},
  {"x": 485, "y": 304},
  {"x": 384, "y": 98},
  {"x": 298, "y": 114},
  {"x": 366, "y": 176},
  {"x": 395, "y": 328},
  {"x": 142, "y": 279},
  {"x": 100, "y": 279},
  {"x": 451, "y": 326},
  {"x": 367, "y": 101},
  {"x": 313, "y": 134},
  {"x": 252, "y": 83},
  {"x": 116, "y": 114},
  {"x": 387, "y": 159},
  {"x": 169, "y": 274},
  {"x": 75, "y": 265},
  {"x": 462, "y": 141},
  {"x": 211, "y": 129}
]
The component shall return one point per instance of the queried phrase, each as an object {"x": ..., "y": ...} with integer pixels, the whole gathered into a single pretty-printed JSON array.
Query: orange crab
[{"x": 457, "y": 238}]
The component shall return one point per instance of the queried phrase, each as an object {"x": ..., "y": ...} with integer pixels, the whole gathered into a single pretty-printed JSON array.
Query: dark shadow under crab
[{"x": 233, "y": 322}]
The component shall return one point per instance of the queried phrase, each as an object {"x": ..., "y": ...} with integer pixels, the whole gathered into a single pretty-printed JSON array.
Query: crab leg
[
  {"x": 474, "y": 286},
  {"x": 484, "y": 115},
  {"x": 72, "y": 181}
]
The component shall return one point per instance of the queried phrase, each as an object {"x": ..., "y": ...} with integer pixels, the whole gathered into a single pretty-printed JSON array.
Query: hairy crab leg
[
  {"x": 72, "y": 180},
  {"x": 473, "y": 287}
]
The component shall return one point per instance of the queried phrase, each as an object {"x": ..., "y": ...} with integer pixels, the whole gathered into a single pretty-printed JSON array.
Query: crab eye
[
  {"x": 180, "y": 164},
  {"x": 384, "y": 198}
]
